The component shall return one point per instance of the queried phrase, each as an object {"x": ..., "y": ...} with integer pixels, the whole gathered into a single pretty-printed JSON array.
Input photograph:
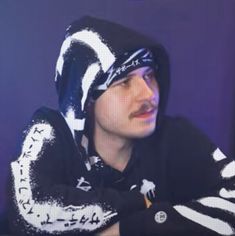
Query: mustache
[{"x": 145, "y": 107}]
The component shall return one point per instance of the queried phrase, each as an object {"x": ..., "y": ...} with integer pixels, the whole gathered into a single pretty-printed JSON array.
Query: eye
[
  {"x": 125, "y": 82},
  {"x": 150, "y": 76}
]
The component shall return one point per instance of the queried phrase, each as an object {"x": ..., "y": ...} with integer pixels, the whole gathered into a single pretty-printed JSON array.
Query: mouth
[{"x": 145, "y": 114}]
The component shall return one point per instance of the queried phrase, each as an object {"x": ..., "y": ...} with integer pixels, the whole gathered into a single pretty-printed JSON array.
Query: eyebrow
[
  {"x": 129, "y": 75},
  {"x": 146, "y": 71},
  {"x": 120, "y": 81}
]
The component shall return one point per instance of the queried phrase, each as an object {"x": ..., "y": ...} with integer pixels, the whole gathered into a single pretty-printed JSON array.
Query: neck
[{"x": 114, "y": 150}]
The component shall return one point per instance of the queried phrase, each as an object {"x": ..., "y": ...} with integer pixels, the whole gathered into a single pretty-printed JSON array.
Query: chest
[{"x": 147, "y": 176}]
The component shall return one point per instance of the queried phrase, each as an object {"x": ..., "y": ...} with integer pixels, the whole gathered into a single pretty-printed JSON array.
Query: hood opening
[{"x": 90, "y": 48}]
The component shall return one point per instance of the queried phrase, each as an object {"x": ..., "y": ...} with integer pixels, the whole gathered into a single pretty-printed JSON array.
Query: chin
[{"x": 145, "y": 133}]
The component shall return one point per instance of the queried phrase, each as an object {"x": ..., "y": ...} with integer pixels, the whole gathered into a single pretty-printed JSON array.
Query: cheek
[
  {"x": 104, "y": 109},
  {"x": 121, "y": 104},
  {"x": 156, "y": 94},
  {"x": 110, "y": 110}
]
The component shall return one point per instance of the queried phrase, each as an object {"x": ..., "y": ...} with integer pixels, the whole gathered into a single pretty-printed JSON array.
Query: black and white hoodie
[{"x": 61, "y": 186}]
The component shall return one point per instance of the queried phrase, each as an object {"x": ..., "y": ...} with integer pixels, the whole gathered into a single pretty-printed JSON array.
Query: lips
[
  {"x": 145, "y": 114},
  {"x": 146, "y": 110}
]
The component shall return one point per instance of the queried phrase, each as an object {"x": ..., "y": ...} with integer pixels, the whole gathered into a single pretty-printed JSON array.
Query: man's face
[{"x": 128, "y": 108}]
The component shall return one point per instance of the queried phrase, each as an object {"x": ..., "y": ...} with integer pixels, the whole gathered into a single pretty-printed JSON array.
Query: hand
[
  {"x": 147, "y": 202},
  {"x": 111, "y": 231}
]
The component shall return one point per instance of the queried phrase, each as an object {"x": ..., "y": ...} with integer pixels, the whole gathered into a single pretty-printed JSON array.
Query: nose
[{"x": 145, "y": 90}]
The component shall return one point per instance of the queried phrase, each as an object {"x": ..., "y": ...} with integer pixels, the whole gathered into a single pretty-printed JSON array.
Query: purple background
[{"x": 199, "y": 35}]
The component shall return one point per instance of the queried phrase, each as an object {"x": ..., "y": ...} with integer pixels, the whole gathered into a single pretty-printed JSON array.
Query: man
[{"x": 109, "y": 162}]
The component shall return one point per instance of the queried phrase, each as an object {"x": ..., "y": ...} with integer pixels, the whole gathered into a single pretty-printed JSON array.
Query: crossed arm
[{"x": 70, "y": 209}]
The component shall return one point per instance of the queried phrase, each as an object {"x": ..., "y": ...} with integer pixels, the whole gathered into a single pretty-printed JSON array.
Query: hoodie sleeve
[
  {"x": 202, "y": 185},
  {"x": 44, "y": 203}
]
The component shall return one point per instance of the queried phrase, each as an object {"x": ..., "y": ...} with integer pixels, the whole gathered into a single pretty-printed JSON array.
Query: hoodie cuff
[
  {"x": 159, "y": 219},
  {"x": 132, "y": 225},
  {"x": 133, "y": 202}
]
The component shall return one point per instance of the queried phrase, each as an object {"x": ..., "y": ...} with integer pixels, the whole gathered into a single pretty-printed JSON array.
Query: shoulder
[
  {"x": 176, "y": 123},
  {"x": 50, "y": 116},
  {"x": 190, "y": 150},
  {"x": 181, "y": 131},
  {"x": 46, "y": 136},
  {"x": 49, "y": 120},
  {"x": 47, "y": 115},
  {"x": 182, "y": 142}
]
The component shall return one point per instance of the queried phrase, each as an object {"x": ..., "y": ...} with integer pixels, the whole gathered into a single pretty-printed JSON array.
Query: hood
[{"x": 90, "y": 48}]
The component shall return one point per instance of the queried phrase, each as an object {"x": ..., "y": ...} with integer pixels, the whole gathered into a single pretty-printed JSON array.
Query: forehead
[{"x": 140, "y": 71}]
